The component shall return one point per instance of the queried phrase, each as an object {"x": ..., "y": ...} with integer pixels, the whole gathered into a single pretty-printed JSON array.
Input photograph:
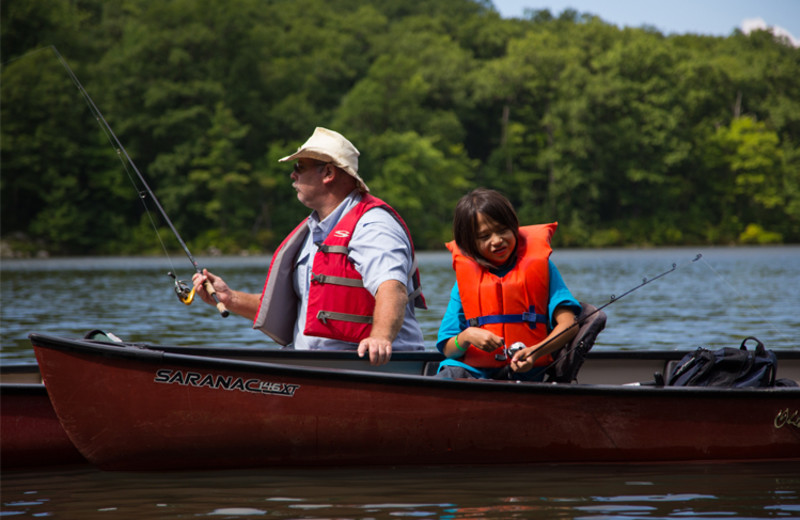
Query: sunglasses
[{"x": 298, "y": 168}]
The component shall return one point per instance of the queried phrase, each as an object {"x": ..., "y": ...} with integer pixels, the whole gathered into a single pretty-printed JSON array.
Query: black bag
[
  {"x": 733, "y": 367},
  {"x": 569, "y": 359}
]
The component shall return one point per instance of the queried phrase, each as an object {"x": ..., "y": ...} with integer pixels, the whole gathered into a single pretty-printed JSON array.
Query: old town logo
[
  {"x": 787, "y": 418},
  {"x": 220, "y": 382}
]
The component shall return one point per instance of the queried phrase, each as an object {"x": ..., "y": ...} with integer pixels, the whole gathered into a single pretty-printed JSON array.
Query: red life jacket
[
  {"x": 338, "y": 306},
  {"x": 515, "y": 306}
]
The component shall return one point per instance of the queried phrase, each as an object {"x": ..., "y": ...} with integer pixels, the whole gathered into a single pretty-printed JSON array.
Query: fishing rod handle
[{"x": 220, "y": 306}]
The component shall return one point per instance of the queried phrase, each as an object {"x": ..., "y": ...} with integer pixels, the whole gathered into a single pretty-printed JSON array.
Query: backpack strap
[
  {"x": 569, "y": 359},
  {"x": 766, "y": 358}
]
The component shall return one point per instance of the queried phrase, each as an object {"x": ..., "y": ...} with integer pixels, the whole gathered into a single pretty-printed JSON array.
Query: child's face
[{"x": 495, "y": 242}]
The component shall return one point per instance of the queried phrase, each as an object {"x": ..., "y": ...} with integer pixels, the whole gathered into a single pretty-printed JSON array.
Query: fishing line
[
  {"x": 29, "y": 53},
  {"x": 613, "y": 298},
  {"x": 181, "y": 288},
  {"x": 106, "y": 132},
  {"x": 745, "y": 299}
]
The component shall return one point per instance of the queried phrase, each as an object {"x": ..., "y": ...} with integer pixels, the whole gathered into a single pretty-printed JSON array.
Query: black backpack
[
  {"x": 567, "y": 361},
  {"x": 732, "y": 367}
]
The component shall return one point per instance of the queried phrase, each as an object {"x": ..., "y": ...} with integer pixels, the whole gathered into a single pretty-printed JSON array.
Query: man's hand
[
  {"x": 379, "y": 349},
  {"x": 223, "y": 291},
  {"x": 243, "y": 304},
  {"x": 390, "y": 311}
]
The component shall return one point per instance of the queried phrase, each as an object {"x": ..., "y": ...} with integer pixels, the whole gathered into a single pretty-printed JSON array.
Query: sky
[{"x": 710, "y": 17}]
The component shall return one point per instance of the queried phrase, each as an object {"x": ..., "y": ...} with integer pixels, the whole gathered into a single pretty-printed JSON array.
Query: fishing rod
[
  {"x": 184, "y": 293},
  {"x": 510, "y": 351}
]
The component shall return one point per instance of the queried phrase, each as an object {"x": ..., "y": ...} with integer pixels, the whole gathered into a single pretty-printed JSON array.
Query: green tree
[
  {"x": 414, "y": 85},
  {"x": 623, "y": 136},
  {"x": 222, "y": 187},
  {"x": 422, "y": 182},
  {"x": 61, "y": 182},
  {"x": 762, "y": 187}
]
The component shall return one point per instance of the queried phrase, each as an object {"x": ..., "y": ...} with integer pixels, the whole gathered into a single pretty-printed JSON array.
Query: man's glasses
[{"x": 298, "y": 168}]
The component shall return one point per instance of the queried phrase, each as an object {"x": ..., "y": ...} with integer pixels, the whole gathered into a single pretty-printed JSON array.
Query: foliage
[{"x": 624, "y": 136}]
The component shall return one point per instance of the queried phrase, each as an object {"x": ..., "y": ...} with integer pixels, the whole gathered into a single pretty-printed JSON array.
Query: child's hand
[
  {"x": 482, "y": 338},
  {"x": 523, "y": 360}
]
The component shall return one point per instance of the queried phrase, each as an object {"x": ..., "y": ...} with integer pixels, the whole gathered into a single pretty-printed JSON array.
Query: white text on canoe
[{"x": 220, "y": 382}]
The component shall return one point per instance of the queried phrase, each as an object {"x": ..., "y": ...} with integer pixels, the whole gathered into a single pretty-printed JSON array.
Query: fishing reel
[
  {"x": 516, "y": 347},
  {"x": 183, "y": 290},
  {"x": 508, "y": 352}
]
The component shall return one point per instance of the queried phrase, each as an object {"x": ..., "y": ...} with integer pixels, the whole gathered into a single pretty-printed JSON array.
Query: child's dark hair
[{"x": 465, "y": 220}]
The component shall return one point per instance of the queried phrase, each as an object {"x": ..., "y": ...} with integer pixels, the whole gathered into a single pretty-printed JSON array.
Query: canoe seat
[{"x": 430, "y": 368}]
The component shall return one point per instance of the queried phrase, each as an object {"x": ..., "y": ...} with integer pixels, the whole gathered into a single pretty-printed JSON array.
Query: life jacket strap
[
  {"x": 325, "y": 248},
  {"x": 336, "y": 280},
  {"x": 525, "y": 317},
  {"x": 416, "y": 295},
  {"x": 324, "y": 316}
]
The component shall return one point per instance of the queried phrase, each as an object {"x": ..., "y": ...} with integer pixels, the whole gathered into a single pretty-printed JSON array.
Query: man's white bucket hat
[{"x": 329, "y": 146}]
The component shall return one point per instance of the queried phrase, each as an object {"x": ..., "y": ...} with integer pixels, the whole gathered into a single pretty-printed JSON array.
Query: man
[{"x": 346, "y": 277}]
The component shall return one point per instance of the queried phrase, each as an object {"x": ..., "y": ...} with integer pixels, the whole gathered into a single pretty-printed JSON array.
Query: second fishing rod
[
  {"x": 510, "y": 351},
  {"x": 182, "y": 290}
]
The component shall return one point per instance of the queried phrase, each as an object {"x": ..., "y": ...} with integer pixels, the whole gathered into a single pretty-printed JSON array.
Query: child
[{"x": 507, "y": 291}]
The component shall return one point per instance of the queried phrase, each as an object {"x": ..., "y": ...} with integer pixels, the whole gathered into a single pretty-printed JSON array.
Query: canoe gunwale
[{"x": 151, "y": 355}]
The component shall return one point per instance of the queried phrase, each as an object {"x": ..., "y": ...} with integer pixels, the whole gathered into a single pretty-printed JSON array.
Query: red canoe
[
  {"x": 133, "y": 407},
  {"x": 30, "y": 433}
]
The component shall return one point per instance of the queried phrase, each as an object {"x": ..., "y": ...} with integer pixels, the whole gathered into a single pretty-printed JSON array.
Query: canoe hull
[
  {"x": 149, "y": 410},
  {"x": 30, "y": 432}
]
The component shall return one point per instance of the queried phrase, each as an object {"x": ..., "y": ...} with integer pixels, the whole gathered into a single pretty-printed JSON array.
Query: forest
[{"x": 625, "y": 136}]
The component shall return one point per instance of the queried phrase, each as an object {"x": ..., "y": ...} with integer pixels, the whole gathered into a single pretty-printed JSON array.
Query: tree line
[{"x": 626, "y": 136}]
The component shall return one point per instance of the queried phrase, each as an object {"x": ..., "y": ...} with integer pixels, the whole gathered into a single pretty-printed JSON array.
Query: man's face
[{"x": 307, "y": 180}]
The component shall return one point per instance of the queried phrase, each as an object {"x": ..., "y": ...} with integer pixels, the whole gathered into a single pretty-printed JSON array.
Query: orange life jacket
[
  {"x": 338, "y": 306},
  {"x": 514, "y": 306}
]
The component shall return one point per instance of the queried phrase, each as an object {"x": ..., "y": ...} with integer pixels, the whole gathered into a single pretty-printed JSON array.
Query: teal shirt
[{"x": 454, "y": 320}]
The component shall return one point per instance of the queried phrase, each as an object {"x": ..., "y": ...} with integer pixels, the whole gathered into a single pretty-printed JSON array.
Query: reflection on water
[
  {"x": 727, "y": 295},
  {"x": 549, "y": 491}
]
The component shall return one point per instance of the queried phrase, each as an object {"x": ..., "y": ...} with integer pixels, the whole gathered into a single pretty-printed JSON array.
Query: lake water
[
  {"x": 745, "y": 491},
  {"x": 718, "y": 300},
  {"x": 725, "y": 296}
]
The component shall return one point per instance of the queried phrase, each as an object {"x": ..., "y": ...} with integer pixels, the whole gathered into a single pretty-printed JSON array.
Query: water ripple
[{"x": 730, "y": 294}]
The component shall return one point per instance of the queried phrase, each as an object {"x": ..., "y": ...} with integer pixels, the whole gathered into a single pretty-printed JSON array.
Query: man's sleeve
[{"x": 380, "y": 249}]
